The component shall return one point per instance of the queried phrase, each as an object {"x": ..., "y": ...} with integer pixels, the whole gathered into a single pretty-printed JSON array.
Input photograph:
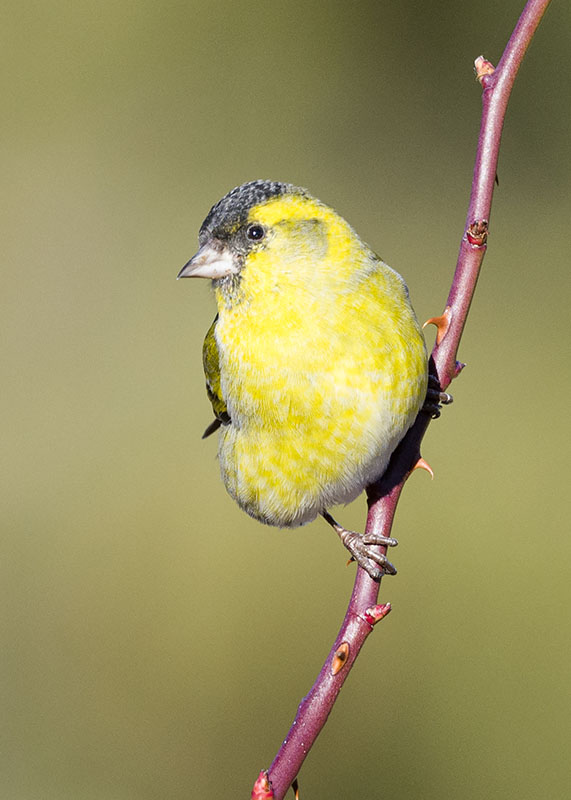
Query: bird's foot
[
  {"x": 362, "y": 549},
  {"x": 435, "y": 398}
]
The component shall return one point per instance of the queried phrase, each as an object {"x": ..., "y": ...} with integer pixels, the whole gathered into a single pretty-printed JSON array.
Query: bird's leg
[
  {"x": 361, "y": 548},
  {"x": 435, "y": 398}
]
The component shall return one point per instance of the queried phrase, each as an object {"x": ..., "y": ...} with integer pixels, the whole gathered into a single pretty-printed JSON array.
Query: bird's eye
[{"x": 255, "y": 232}]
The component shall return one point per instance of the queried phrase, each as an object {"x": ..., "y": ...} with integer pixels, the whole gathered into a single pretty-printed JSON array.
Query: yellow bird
[{"x": 315, "y": 364}]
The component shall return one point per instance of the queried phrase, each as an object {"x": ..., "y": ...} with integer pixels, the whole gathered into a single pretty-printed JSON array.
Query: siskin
[{"x": 315, "y": 364}]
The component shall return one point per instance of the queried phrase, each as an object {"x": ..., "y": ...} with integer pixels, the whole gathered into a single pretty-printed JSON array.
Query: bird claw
[
  {"x": 363, "y": 549},
  {"x": 435, "y": 398},
  {"x": 364, "y": 552},
  {"x": 376, "y": 538}
]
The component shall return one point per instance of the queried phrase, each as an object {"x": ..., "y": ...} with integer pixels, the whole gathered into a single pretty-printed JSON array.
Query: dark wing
[{"x": 211, "y": 365}]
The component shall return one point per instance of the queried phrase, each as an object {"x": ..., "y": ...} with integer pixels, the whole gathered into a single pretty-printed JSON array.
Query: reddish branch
[{"x": 363, "y": 611}]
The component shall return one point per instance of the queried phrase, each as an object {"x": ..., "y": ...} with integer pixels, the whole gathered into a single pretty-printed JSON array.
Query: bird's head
[{"x": 273, "y": 233}]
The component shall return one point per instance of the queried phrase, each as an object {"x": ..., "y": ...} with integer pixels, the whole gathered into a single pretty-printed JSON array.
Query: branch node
[
  {"x": 376, "y": 613},
  {"x": 442, "y": 323},
  {"x": 477, "y": 233},
  {"x": 483, "y": 69},
  {"x": 262, "y": 789},
  {"x": 340, "y": 658}
]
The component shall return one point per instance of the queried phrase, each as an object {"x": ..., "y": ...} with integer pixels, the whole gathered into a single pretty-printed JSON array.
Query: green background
[{"x": 155, "y": 640}]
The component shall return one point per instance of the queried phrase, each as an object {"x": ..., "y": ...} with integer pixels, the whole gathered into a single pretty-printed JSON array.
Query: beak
[{"x": 210, "y": 262}]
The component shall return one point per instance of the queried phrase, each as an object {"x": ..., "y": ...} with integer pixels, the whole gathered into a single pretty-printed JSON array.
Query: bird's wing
[{"x": 211, "y": 365}]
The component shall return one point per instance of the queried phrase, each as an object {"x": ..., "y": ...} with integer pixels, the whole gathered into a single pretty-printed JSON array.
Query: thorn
[
  {"x": 262, "y": 788},
  {"x": 376, "y": 613},
  {"x": 477, "y": 232},
  {"x": 483, "y": 68},
  {"x": 340, "y": 658},
  {"x": 458, "y": 368},
  {"x": 350, "y": 561},
  {"x": 422, "y": 464},
  {"x": 295, "y": 787},
  {"x": 442, "y": 323}
]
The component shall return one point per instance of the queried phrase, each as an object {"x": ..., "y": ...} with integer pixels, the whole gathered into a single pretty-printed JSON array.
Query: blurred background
[{"x": 155, "y": 640}]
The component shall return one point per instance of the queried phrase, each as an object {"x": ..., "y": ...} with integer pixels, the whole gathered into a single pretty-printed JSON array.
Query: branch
[{"x": 363, "y": 611}]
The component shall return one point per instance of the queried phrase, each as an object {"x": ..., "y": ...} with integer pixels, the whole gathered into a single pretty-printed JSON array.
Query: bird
[{"x": 315, "y": 364}]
